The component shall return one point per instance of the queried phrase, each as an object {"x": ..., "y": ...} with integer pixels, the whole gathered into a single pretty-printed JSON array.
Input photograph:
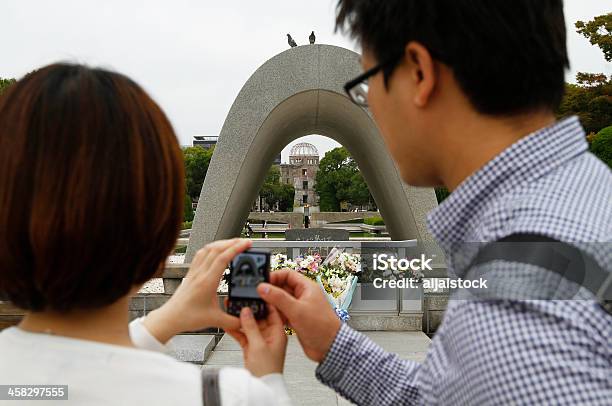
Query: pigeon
[
  {"x": 291, "y": 41},
  {"x": 312, "y": 38}
]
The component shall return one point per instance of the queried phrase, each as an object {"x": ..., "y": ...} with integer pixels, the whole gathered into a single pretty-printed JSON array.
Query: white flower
[
  {"x": 337, "y": 284},
  {"x": 223, "y": 287}
]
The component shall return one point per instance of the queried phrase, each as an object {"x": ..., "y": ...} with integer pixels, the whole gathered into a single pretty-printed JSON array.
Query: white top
[{"x": 107, "y": 374}]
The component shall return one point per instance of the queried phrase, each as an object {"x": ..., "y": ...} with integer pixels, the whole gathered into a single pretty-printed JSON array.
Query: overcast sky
[{"x": 193, "y": 56}]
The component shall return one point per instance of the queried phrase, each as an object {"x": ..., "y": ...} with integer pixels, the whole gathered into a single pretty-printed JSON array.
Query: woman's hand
[
  {"x": 195, "y": 304},
  {"x": 263, "y": 342}
]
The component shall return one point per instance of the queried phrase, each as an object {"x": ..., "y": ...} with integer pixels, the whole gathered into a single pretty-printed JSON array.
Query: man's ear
[{"x": 423, "y": 72}]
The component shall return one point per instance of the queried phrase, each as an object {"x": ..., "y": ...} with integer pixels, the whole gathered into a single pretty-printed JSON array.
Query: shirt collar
[{"x": 528, "y": 159}]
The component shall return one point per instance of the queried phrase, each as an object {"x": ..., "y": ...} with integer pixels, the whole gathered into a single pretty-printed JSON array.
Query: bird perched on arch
[
  {"x": 312, "y": 38},
  {"x": 292, "y": 43}
]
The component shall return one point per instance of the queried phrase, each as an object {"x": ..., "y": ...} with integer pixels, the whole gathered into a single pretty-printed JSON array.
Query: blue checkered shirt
[{"x": 498, "y": 352}]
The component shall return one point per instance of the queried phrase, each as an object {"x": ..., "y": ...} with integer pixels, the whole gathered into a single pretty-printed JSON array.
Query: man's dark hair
[
  {"x": 91, "y": 188},
  {"x": 509, "y": 57}
]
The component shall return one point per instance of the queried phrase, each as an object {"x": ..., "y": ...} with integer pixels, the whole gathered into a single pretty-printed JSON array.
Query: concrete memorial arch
[{"x": 297, "y": 93}]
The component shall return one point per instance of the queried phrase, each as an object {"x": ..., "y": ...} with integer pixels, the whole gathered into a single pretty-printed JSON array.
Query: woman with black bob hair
[{"x": 91, "y": 203}]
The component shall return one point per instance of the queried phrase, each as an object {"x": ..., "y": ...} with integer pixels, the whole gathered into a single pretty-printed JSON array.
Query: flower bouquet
[
  {"x": 224, "y": 284},
  {"x": 337, "y": 275},
  {"x": 338, "y": 279}
]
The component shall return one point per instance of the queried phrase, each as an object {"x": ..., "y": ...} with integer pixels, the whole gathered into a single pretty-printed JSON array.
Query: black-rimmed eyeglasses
[{"x": 357, "y": 89}]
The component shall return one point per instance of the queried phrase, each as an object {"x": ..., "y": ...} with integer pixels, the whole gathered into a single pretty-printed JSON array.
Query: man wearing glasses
[{"x": 464, "y": 93}]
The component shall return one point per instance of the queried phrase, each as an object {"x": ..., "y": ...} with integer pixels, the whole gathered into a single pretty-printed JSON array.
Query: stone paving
[{"x": 302, "y": 385}]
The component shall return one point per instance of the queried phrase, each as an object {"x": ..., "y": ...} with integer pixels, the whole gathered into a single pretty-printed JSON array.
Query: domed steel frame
[{"x": 304, "y": 149}]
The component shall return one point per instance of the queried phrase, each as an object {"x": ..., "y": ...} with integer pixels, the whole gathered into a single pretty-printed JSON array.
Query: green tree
[
  {"x": 188, "y": 212},
  {"x": 339, "y": 180},
  {"x": 599, "y": 32},
  {"x": 5, "y": 83},
  {"x": 285, "y": 195},
  {"x": 273, "y": 191},
  {"x": 441, "y": 194},
  {"x": 591, "y": 100},
  {"x": 197, "y": 160},
  {"x": 333, "y": 179},
  {"x": 359, "y": 191},
  {"x": 602, "y": 145},
  {"x": 591, "y": 79},
  {"x": 273, "y": 175}
]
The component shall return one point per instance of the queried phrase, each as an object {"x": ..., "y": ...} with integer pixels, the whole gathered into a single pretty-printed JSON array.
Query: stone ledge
[
  {"x": 147, "y": 301},
  {"x": 386, "y": 322},
  {"x": 141, "y": 304},
  {"x": 175, "y": 271},
  {"x": 194, "y": 348}
]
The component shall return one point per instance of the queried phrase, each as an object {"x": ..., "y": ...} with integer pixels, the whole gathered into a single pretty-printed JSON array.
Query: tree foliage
[
  {"x": 602, "y": 145},
  {"x": 441, "y": 194},
  {"x": 197, "y": 160},
  {"x": 5, "y": 83},
  {"x": 359, "y": 193},
  {"x": 339, "y": 180},
  {"x": 188, "y": 212},
  {"x": 273, "y": 191},
  {"x": 599, "y": 32},
  {"x": 591, "y": 100},
  {"x": 591, "y": 79}
]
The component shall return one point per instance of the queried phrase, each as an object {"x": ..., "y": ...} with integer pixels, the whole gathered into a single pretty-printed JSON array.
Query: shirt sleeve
[
  {"x": 361, "y": 371},
  {"x": 276, "y": 382},
  {"x": 267, "y": 390},
  {"x": 142, "y": 338}
]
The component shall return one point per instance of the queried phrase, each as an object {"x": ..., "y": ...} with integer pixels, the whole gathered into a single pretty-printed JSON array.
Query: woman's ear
[{"x": 423, "y": 72}]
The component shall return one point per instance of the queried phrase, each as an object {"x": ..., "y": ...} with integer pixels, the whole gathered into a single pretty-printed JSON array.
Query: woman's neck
[{"x": 106, "y": 325}]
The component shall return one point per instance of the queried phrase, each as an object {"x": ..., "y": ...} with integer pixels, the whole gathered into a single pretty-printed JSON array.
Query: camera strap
[
  {"x": 210, "y": 387},
  {"x": 564, "y": 259}
]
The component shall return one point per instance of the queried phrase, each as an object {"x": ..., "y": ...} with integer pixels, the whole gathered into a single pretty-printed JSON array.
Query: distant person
[
  {"x": 249, "y": 229},
  {"x": 91, "y": 190},
  {"x": 465, "y": 93}
]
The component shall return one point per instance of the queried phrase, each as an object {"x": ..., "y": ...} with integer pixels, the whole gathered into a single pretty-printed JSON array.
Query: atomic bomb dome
[
  {"x": 304, "y": 149},
  {"x": 301, "y": 173}
]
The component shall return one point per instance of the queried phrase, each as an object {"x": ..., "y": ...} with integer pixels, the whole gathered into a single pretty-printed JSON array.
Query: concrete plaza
[{"x": 302, "y": 385}]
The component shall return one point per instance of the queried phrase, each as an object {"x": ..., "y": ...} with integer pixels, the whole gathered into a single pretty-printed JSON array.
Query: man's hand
[
  {"x": 195, "y": 304},
  {"x": 263, "y": 343},
  {"x": 304, "y": 305}
]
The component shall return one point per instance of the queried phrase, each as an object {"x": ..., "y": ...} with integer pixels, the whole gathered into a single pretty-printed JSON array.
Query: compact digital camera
[{"x": 247, "y": 270}]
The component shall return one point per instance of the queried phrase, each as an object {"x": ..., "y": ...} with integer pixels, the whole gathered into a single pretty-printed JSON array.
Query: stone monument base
[{"x": 369, "y": 321}]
